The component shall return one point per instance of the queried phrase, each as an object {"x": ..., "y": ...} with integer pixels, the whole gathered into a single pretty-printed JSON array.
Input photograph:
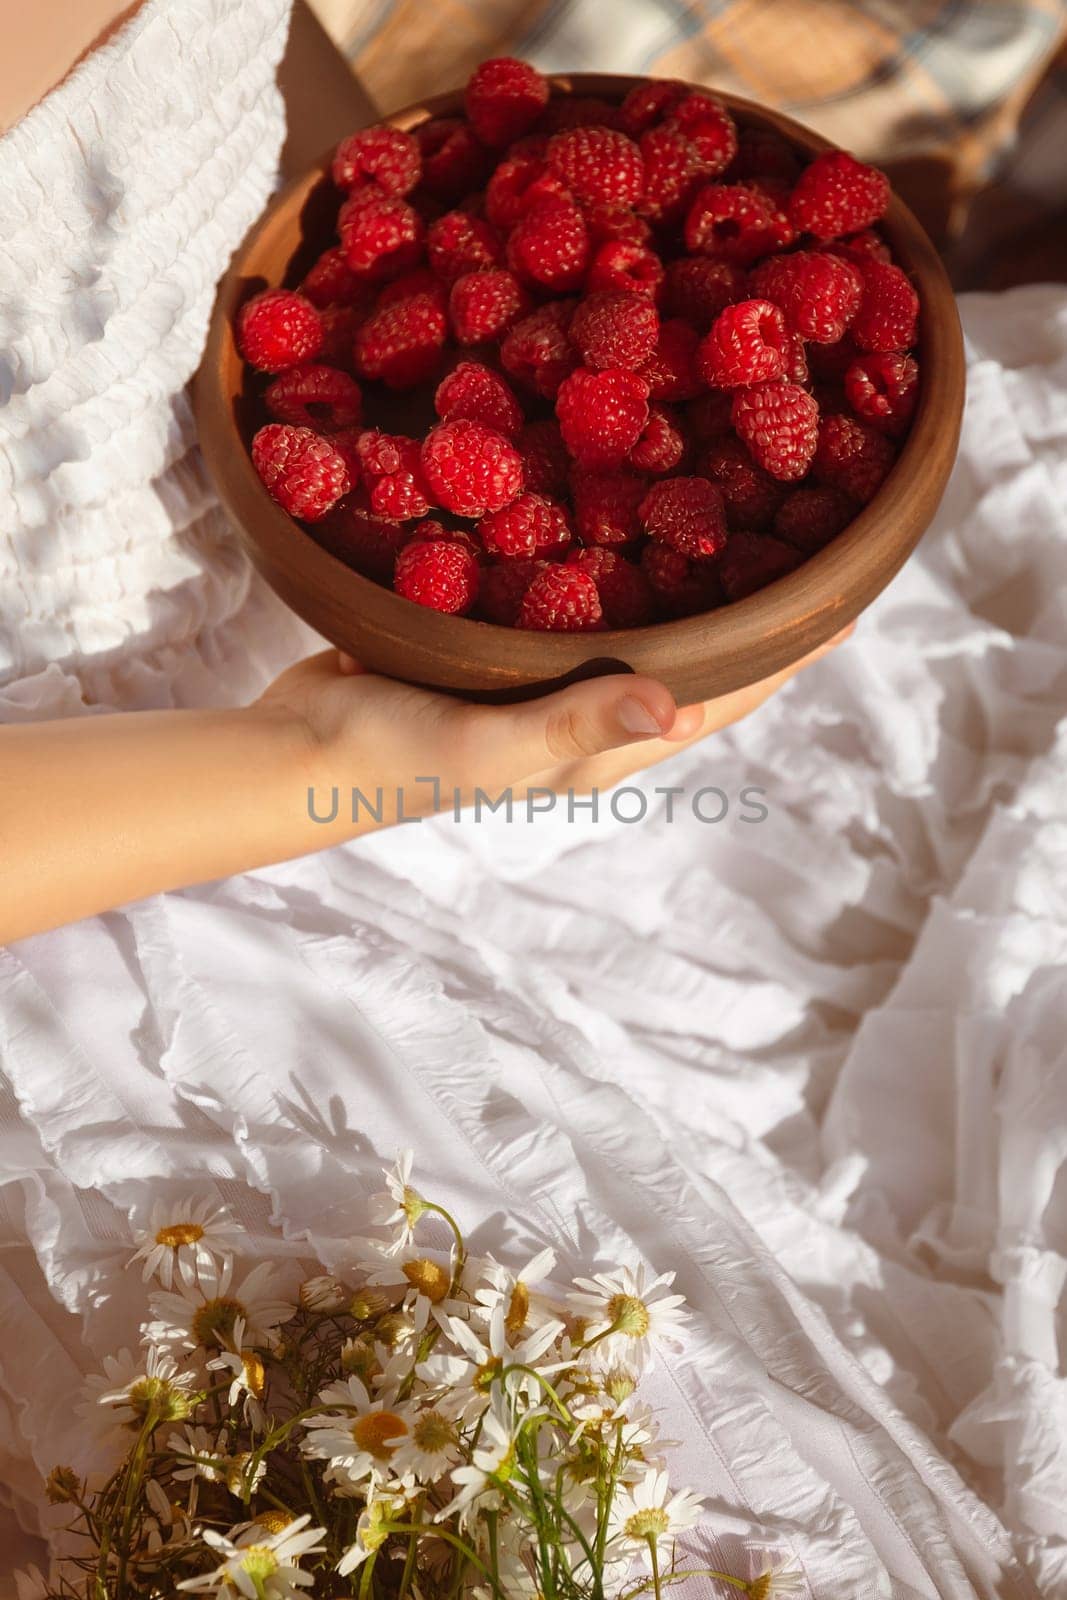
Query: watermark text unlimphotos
[{"x": 625, "y": 803}]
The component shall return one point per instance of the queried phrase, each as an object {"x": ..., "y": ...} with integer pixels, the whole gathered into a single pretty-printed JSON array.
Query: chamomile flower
[
  {"x": 421, "y": 1274},
  {"x": 167, "y": 1528},
  {"x": 197, "y": 1455},
  {"x": 776, "y": 1577},
  {"x": 372, "y": 1530},
  {"x": 323, "y": 1293},
  {"x": 134, "y": 1390},
  {"x": 647, "y": 1510},
  {"x": 259, "y": 1565},
  {"x": 429, "y": 1448},
  {"x": 400, "y": 1205},
  {"x": 249, "y": 1377},
  {"x": 524, "y": 1306},
  {"x": 204, "y": 1313},
  {"x": 360, "y": 1439},
  {"x": 492, "y": 1463},
  {"x": 641, "y": 1316},
  {"x": 464, "y": 1378},
  {"x": 183, "y": 1236}
]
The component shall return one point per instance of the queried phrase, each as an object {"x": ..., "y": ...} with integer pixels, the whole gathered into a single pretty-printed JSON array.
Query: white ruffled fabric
[{"x": 815, "y": 1064}]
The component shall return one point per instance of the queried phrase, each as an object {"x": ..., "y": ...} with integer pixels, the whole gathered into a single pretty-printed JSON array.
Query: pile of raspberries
[{"x": 574, "y": 365}]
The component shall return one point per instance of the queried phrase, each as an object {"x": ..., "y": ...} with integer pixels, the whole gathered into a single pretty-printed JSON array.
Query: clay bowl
[{"x": 697, "y": 657}]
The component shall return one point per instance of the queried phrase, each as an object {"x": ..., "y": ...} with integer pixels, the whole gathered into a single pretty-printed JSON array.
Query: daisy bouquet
[{"x": 426, "y": 1425}]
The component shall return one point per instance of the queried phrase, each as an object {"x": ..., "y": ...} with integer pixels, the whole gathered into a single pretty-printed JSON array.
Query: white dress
[{"x": 815, "y": 1065}]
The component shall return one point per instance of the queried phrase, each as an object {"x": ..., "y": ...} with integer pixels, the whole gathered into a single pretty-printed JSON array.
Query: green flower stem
[
  {"x": 366, "y": 1577},
  {"x": 456, "y": 1543},
  {"x": 655, "y": 1566},
  {"x": 461, "y": 1247},
  {"x": 692, "y": 1572},
  {"x": 520, "y": 1366}
]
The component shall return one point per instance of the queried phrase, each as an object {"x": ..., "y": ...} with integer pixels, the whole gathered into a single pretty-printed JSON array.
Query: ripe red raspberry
[
  {"x": 819, "y": 293},
  {"x": 598, "y": 165},
  {"x": 437, "y": 572},
  {"x": 682, "y": 587},
  {"x": 735, "y": 223},
  {"x": 302, "y": 471},
  {"x": 503, "y": 99},
  {"x": 602, "y": 414},
  {"x": 529, "y": 526},
  {"x": 504, "y": 585},
  {"x": 625, "y": 594},
  {"x": 686, "y": 513},
  {"x": 753, "y": 560},
  {"x": 537, "y": 350},
  {"x": 454, "y": 162},
  {"x": 882, "y": 390},
  {"x": 709, "y": 417},
  {"x": 561, "y": 599},
  {"x": 606, "y": 506},
  {"x": 629, "y": 267},
  {"x": 810, "y": 518},
  {"x": 619, "y": 224},
  {"x": 278, "y": 329},
  {"x": 364, "y": 541},
  {"x": 545, "y": 462},
  {"x": 402, "y": 343},
  {"x": 315, "y": 397},
  {"x": 747, "y": 344},
  {"x": 852, "y": 457},
  {"x": 779, "y": 423},
  {"x": 763, "y": 154},
  {"x": 381, "y": 234},
  {"x": 475, "y": 391},
  {"x": 751, "y": 495},
  {"x": 471, "y": 469},
  {"x": 579, "y": 111},
  {"x": 519, "y": 185},
  {"x": 860, "y": 247},
  {"x": 889, "y": 309},
  {"x": 388, "y": 156},
  {"x": 484, "y": 305},
  {"x": 708, "y": 125},
  {"x": 661, "y": 445},
  {"x": 673, "y": 169},
  {"x": 650, "y": 103},
  {"x": 549, "y": 247},
  {"x": 615, "y": 330},
  {"x": 339, "y": 324},
  {"x": 391, "y": 467},
  {"x": 698, "y": 288},
  {"x": 331, "y": 281},
  {"x": 671, "y": 373},
  {"x": 837, "y": 194},
  {"x": 457, "y": 243}
]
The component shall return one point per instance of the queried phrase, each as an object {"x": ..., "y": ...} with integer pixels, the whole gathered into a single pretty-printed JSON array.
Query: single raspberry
[
  {"x": 420, "y": 280},
  {"x": 484, "y": 305},
  {"x": 391, "y": 467},
  {"x": 838, "y": 194},
  {"x": 671, "y": 373},
  {"x": 606, "y": 506},
  {"x": 735, "y": 223},
  {"x": 278, "y": 329},
  {"x": 686, "y": 513},
  {"x": 579, "y": 111},
  {"x": 629, "y": 267},
  {"x": 614, "y": 223},
  {"x": 315, "y": 397},
  {"x": 751, "y": 495},
  {"x": 549, "y": 247},
  {"x": 709, "y": 417},
  {"x": 339, "y": 324},
  {"x": 561, "y": 599},
  {"x": 747, "y": 344},
  {"x": 545, "y": 461},
  {"x": 504, "y": 585},
  {"x": 810, "y": 518},
  {"x": 364, "y": 541},
  {"x": 698, "y": 288},
  {"x": 709, "y": 127},
  {"x": 471, "y": 469},
  {"x": 537, "y": 350},
  {"x": 753, "y": 560},
  {"x": 602, "y": 414},
  {"x": 401, "y": 344},
  {"x": 454, "y": 162},
  {"x": 762, "y": 153},
  {"x": 889, "y": 309},
  {"x": 302, "y": 471},
  {"x": 457, "y": 243},
  {"x": 519, "y": 185},
  {"x": 615, "y": 330},
  {"x": 625, "y": 594},
  {"x": 437, "y": 572},
  {"x": 529, "y": 526},
  {"x": 861, "y": 247},
  {"x": 819, "y": 293},
  {"x": 650, "y": 103},
  {"x": 852, "y": 457},
  {"x": 388, "y": 156},
  {"x": 882, "y": 390},
  {"x": 474, "y": 391},
  {"x": 598, "y": 165},
  {"x": 331, "y": 281},
  {"x": 779, "y": 422},
  {"x": 381, "y": 234},
  {"x": 503, "y": 99},
  {"x": 682, "y": 587},
  {"x": 673, "y": 169},
  {"x": 661, "y": 445}
]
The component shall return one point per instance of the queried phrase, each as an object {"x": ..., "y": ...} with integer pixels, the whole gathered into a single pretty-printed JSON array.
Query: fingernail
[{"x": 635, "y": 717}]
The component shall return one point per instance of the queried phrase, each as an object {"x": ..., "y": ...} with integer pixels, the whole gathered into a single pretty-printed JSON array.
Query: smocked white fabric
[{"x": 815, "y": 1064}]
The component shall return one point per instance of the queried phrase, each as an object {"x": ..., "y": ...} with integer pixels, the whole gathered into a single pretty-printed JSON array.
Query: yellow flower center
[
  {"x": 619, "y": 1384},
  {"x": 628, "y": 1315},
  {"x": 367, "y": 1303},
  {"x": 260, "y": 1562},
  {"x": 158, "y": 1398},
  {"x": 412, "y": 1205},
  {"x": 273, "y": 1521},
  {"x": 255, "y": 1376},
  {"x": 180, "y": 1233},
  {"x": 433, "y": 1432},
  {"x": 652, "y": 1523},
  {"x": 358, "y": 1356},
  {"x": 214, "y": 1321},
  {"x": 374, "y": 1531},
  {"x": 378, "y": 1432},
  {"x": 428, "y": 1278},
  {"x": 487, "y": 1374},
  {"x": 760, "y": 1587},
  {"x": 518, "y": 1310}
]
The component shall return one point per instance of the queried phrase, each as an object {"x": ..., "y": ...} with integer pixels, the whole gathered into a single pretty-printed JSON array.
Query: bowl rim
[{"x": 823, "y": 581}]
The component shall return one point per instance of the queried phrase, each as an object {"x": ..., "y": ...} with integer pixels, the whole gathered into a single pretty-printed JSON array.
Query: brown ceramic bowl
[{"x": 697, "y": 657}]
